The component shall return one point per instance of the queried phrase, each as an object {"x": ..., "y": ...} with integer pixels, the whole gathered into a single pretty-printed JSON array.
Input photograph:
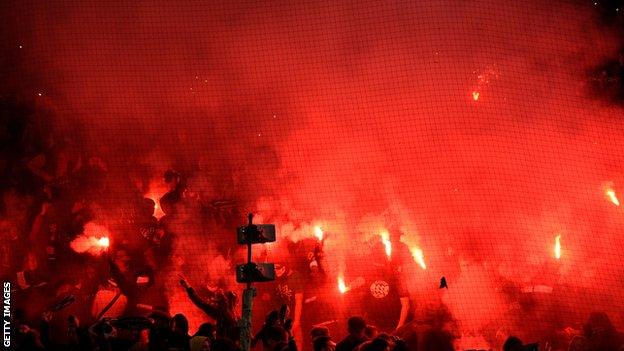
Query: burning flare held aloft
[
  {"x": 419, "y": 257},
  {"x": 342, "y": 287},
  {"x": 558, "y": 247},
  {"x": 93, "y": 240},
  {"x": 385, "y": 239},
  {"x": 610, "y": 193},
  {"x": 318, "y": 233}
]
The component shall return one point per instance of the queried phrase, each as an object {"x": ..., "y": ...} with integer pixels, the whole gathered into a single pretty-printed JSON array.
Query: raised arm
[{"x": 209, "y": 309}]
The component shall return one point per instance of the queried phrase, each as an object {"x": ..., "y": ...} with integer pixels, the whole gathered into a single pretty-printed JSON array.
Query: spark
[
  {"x": 475, "y": 95},
  {"x": 558, "y": 247}
]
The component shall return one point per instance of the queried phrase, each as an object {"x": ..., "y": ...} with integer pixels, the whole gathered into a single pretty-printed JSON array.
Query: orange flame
[
  {"x": 318, "y": 233},
  {"x": 158, "y": 212},
  {"x": 419, "y": 257},
  {"x": 155, "y": 192},
  {"x": 612, "y": 197},
  {"x": 475, "y": 95},
  {"x": 558, "y": 247},
  {"x": 385, "y": 239},
  {"x": 342, "y": 287}
]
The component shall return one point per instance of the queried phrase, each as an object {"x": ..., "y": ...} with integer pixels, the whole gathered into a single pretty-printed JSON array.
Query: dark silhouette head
[
  {"x": 206, "y": 329},
  {"x": 179, "y": 324},
  {"x": 323, "y": 343},
  {"x": 377, "y": 344},
  {"x": 316, "y": 332},
  {"x": 371, "y": 331},
  {"x": 223, "y": 344},
  {"x": 273, "y": 336},
  {"x": 513, "y": 343},
  {"x": 356, "y": 326},
  {"x": 148, "y": 206}
]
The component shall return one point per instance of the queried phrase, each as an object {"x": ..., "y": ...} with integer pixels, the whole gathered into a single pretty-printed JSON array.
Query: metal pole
[{"x": 248, "y": 295}]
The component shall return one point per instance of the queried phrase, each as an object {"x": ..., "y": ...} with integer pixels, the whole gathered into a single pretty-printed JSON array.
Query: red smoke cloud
[{"x": 359, "y": 116}]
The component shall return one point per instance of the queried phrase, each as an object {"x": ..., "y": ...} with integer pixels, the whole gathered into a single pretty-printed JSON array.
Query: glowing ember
[
  {"x": 318, "y": 233},
  {"x": 385, "y": 239},
  {"x": 419, "y": 257},
  {"x": 612, "y": 197},
  {"x": 342, "y": 287},
  {"x": 558, "y": 247},
  {"x": 475, "y": 95}
]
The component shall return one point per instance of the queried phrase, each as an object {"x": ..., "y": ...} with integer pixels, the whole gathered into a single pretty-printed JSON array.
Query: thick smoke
[{"x": 473, "y": 126}]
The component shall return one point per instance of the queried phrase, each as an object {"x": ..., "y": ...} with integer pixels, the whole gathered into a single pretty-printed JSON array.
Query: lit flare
[
  {"x": 318, "y": 233},
  {"x": 104, "y": 242},
  {"x": 342, "y": 287},
  {"x": 93, "y": 240},
  {"x": 385, "y": 239},
  {"x": 612, "y": 197},
  {"x": 419, "y": 257}
]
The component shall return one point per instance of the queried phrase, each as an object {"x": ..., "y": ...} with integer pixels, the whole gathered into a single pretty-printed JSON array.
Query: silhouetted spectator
[
  {"x": 223, "y": 344},
  {"x": 371, "y": 331},
  {"x": 600, "y": 333},
  {"x": 355, "y": 328},
  {"x": 179, "y": 338},
  {"x": 377, "y": 344},
  {"x": 323, "y": 343},
  {"x": 205, "y": 335},
  {"x": 277, "y": 338},
  {"x": 220, "y": 308},
  {"x": 318, "y": 331},
  {"x": 513, "y": 343}
]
